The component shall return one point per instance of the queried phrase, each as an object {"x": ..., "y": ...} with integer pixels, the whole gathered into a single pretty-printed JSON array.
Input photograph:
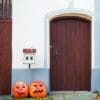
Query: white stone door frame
[{"x": 66, "y": 12}]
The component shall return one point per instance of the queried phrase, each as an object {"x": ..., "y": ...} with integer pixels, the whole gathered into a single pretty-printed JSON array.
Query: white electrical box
[{"x": 29, "y": 56}]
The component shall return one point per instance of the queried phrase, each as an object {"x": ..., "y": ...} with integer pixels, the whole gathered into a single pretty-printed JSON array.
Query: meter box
[{"x": 29, "y": 56}]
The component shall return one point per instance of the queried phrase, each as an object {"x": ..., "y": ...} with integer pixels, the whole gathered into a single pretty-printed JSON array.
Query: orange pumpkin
[
  {"x": 98, "y": 97},
  {"x": 20, "y": 90},
  {"x": 38, "y": 89}
]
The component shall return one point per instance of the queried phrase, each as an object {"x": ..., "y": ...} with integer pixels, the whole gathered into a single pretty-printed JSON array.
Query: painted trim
[
  {"x": 66, "y": 12},
  {"x": 69, "y": 11},
  {"x": 72, "y": 14},
  {"x": 43, "y": 74},
  {"x": 92, "y": 43}
]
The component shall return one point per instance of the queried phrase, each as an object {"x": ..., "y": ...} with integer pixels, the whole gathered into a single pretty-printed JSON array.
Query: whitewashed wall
[{"x": 29, "y": 26}]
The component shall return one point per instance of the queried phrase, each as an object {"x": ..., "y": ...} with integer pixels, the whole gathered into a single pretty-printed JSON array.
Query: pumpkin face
[
  {"x": 98, "y": 97},
  {"x": 20, "y": 90},
  {"x": 38, "y": 89}
]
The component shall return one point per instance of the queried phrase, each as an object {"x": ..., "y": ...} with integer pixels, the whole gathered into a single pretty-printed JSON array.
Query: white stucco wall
[
  {"x": 97, "y": 33},
  {"x": 29, "y": 26}
]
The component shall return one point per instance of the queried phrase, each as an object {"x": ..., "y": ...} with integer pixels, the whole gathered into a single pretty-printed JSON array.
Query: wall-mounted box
[{"x": 29, "y": 56}]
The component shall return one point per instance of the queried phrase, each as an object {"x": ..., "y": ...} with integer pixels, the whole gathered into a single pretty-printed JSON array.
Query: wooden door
[
  {"x": 5, "y": 56},
  {"x": 70, "y": 54}
]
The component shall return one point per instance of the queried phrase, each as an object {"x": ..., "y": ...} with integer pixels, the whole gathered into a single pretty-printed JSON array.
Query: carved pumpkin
[
  {"x": 98, "y": 97},
  {"x": 38, "y": 89},
  {"x": 20, "y": 90}
]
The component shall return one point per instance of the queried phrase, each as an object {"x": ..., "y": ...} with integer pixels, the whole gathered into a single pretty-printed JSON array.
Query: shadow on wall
[
  {"x": 35, "y": 74},
  {"x": 95, "y": 82}
]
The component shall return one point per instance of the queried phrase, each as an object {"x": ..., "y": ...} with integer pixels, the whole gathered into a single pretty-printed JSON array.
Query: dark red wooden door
[
  {"x": 70, "y": 54},
  {"x": 5, "y": 56}
]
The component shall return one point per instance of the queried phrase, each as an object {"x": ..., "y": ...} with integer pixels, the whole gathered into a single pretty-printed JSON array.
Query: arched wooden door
[{"x": 70, "y": 54}]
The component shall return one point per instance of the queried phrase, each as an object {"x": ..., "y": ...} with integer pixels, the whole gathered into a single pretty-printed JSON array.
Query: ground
[{"x": 70, "y": 95}]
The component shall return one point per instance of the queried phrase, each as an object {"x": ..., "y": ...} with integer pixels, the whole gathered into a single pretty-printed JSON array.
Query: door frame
[
  {"x": 84, "y": 14},
  {"x": 63, "y": 13}
]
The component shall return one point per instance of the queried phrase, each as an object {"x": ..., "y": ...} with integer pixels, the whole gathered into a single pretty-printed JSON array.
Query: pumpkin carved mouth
[
  {"x": 21, "y": 92},
  {"x": 37, "y": 91}
]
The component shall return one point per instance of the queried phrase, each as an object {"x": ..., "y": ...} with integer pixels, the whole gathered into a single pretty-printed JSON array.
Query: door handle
[
  {"x": 53, "y": 50},
  {"x": 51, "y": 46}
]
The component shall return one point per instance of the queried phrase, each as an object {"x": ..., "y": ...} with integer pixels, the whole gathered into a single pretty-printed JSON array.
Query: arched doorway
[{"x": 70, "y": 53}]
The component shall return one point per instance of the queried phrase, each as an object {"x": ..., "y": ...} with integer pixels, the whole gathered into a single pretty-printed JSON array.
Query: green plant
[{"x": 97, "y": 92}]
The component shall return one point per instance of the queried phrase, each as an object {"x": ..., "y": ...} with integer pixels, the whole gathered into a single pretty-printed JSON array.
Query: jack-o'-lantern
[
  {"x": 20, "y": 90},
  {"x": 98, "y": 94},
  {"x": 98, "y": 97},
  {"x": 38, "y": 89}
]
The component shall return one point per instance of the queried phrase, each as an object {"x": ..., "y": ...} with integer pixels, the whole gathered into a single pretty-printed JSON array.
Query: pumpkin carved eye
[
  {"x": 23, "y": 86},
  {"x": 41, "y": 85},
  {"x": 35, "y": 85},
  {"x": 17, "y": 87}
]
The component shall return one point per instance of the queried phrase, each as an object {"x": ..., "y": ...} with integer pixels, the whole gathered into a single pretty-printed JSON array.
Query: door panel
[
  {"x": 70, "y": 54},
  {"x": 5, "y": 56}
]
